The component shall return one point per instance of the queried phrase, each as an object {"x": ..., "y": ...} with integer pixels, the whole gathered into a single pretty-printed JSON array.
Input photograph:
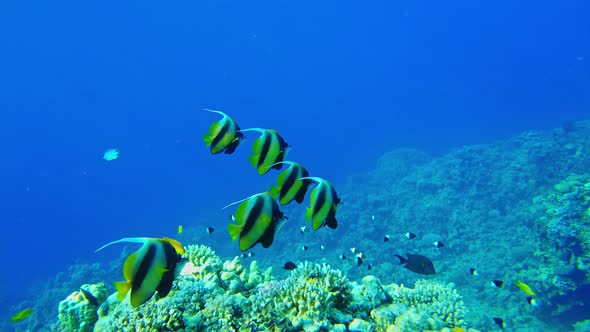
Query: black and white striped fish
[
  {"x": 323, "y": 204},
  {"x": 269, "y": 150},
  {"x": 257, "y": 219},
  {"x": 151, "y": 268},
  {"x": 224, "y": 135},
  {"x": 289, "y": 186}
]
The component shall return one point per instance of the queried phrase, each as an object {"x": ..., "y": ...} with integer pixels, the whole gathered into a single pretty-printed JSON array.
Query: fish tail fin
[
  {"x": 274, "y": 192},
  {"x": 122, "y": 288},
  {"x": 208, "y": 139},
  {"x": 402, "y": 260},
  {"x": 234, "y": 231}
]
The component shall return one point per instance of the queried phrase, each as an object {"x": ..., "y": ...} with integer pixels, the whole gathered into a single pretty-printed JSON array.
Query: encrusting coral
[{"x": 78, "y": 312}]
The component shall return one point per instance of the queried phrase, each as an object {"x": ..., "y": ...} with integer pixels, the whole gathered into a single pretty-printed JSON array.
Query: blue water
[{"x": 343, "y": 81}]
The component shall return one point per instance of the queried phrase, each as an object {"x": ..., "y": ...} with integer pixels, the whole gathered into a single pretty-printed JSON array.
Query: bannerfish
[
  {"x": 180, "y": 229},
  {"x": 525, "y": 288},
  {"x": 270, "y": 149},
  {"x": 410, "y": 235},
  {"x": 359, "y": 261},
  {"x": 257, "y": 219},
  {"x": 439, "y": 244},
  {"x": 289, "y": 266},
  {"x": 473, "y": 271},
  {"x": 323, "y": 204},
  {"x": 304, "y": 229},
  {"x": 289, "y": 186},
  {"x": 110, "y": 154},
  {"x": 386, "y": 238},
  {"x": 151, "y": 268},
  {"x": 322, "y": 247},
  {"x": 224, "y": 135},
  {"x": 417, "y": 263},
  {"x": 304, "y": 248},
  {"x": 209, "y": 229},
  {"x": 342, "y": 257},
  {"x": 21, "y": 315}
]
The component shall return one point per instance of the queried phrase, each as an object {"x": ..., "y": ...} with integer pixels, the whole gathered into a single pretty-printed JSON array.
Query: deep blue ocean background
[{"x": 343, "y": 81}]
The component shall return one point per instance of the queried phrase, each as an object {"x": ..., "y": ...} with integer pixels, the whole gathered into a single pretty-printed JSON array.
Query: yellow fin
[
  {"x": 177, "y": 246},
  {"x": 234, "y": 231},
  {"x": 122, "y": 288},
  {"x": 128, "y": 266}
]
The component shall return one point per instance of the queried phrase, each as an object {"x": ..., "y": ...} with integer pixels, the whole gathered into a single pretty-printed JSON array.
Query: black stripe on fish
[
  {"x": 289, "y": 182},
  {"x": 147, "y": 261},
  {"x": 221, "y": 134},
  {"x": 267, "y": 140},
  {"x": 320, "y": 201},
  {"x": 172, "y": 258},
  {"x": 233, "y": 145},
  {"x": 282, "y": 147},
  {"x": 253, "y": 214}
]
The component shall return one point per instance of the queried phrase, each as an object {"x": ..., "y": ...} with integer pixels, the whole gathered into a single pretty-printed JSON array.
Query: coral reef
[
  {"x": 440, "y": 304},
  {"x": 565, "y": 230},
  {"x": 314, "y": 297}
]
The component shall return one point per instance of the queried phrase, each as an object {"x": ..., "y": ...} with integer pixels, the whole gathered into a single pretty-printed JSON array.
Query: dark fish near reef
[
  {"x": 342, "y": 257},
  {"x": 270, "y": 149},
  {"x": 323, "y": 204},
  {"x": 499, "y": 322},
  {"x": 531, "y": 300},
  {"x": 246, "y": 255},
  {"x": 21, "y": 315},
  {"x": 257, "y": 218},
  {"x": 289, "y": 186},
  {"x": 410, "y": 235},
  {"x": 149, "y": 269},
  {"x": 439, "y": 244},
  {"x": 224, "y": 135},
  {"x": 359, "y": 261},
  {"x": 210, "y": 230},
  {"x": 289, "y": 266},
  {"x": 386, "y": 238},
  {"x": 473, "y": 272},
  {"x": 304, "y": 248},
  {"x": 497, "y": 283},
  {"x": 417, "y": 263},
  {"x": 89, "y": 297}
]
